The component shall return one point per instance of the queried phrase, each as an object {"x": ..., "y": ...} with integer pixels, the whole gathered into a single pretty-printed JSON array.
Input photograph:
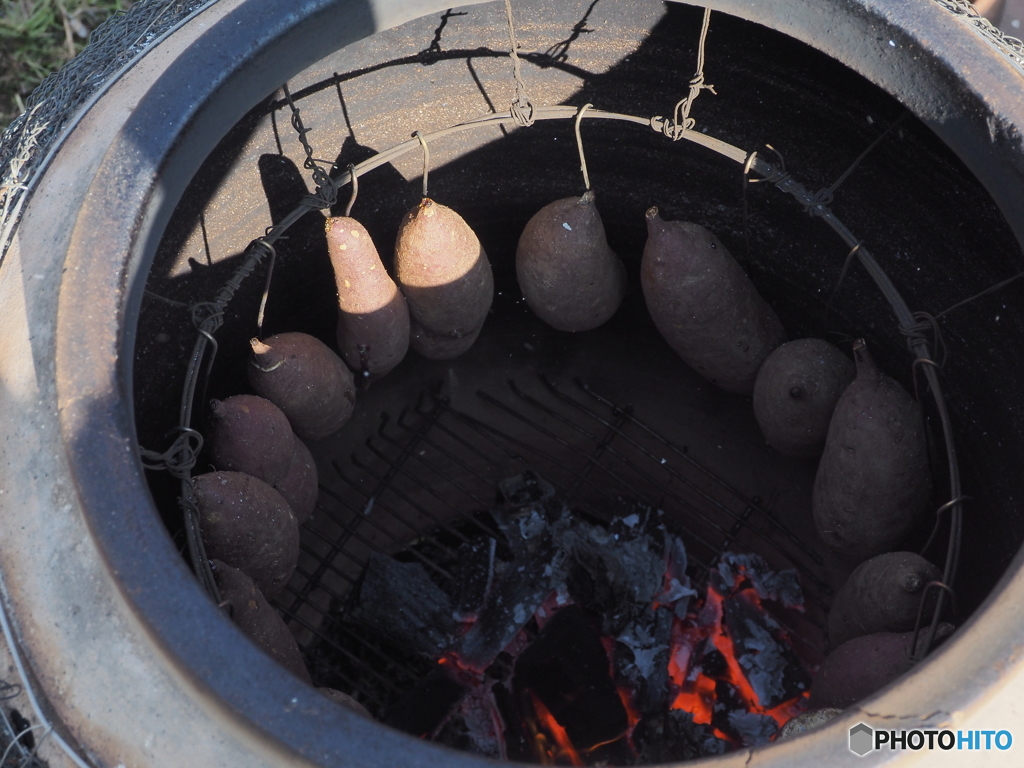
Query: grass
[{"x": 38, "y": 37}]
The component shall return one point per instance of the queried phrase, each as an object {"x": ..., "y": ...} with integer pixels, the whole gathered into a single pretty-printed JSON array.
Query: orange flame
[{"x": 551, "y": 742}]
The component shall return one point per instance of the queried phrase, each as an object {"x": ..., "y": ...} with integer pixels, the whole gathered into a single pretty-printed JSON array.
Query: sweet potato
[
  {"x": 795, "y": 393},
  {"x": 569, "y": 276},
  {"x": 704, "y": 304},
  {"x": 373, "y": 321},
  {"x": 252, "y": 614},
  {"x": 443, "y": 271},
  {"x": 305, "y": 379},
  {"x": 250, "y": 434},
  {"x": 883, "y": 594},
  {"x": 864, "y": 665},
  {"x": 300, "y": 487},
  {"x": 873, "y": 480},
  {"x": 249, "y": 526},
  {"x": 807, "y": 721},
  {"x": 437, "y": 346}
]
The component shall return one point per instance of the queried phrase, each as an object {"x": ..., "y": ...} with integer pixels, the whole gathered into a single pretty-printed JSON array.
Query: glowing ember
[{"x": 550, "y": 739}]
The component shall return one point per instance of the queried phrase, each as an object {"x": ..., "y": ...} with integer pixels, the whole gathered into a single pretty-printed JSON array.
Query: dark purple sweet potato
[
  {"x": 864, "y": 665},
  {"x": 569, "y": 276},
  {"x": 443, "y": 271},
  {"x": 300, "y": 487},
  {"x": 249, "y": 526},
  {"x": 252, "y": 614},
  {"x": 883, "y": 594},
  {"x": 346, "y": 701},
  {"x": 305, "y": 379},
  {"x": 704, "y": 304},
  {"x": 873, "y": 481},
  {"x": 373, "y": 321},
  {"x": 250, "y": 434},
  {"x": 436, "y": 346},
  {"x": 795, "y": 393}
]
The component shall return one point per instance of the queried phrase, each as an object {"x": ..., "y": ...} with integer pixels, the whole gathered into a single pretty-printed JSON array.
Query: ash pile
[{"x": 572, "y": 641}]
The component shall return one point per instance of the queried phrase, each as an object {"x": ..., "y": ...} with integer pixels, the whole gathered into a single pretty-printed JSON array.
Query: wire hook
[
  {"x": 579, "y": 145},
  {"x": 354, "y": 180},
  {"x": 426, "y": 159}
]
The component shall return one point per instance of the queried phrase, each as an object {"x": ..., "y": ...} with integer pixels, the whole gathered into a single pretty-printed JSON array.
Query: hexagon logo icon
[{"x": 862, "y": 739}]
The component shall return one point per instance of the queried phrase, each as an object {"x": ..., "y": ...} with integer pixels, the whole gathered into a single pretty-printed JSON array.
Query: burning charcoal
[
  {"x": 566, "y": 668},
  {"x": 473, "y": 725},
  {"x": 529, "y": 488},
  {"x": 422, "y": 710},
  {"x": 517, "y": 745},
  {"x": 644, "y": 660},
  {"x": 399, "y": 601},
  {"x": 673, "y": 736},
  {"x": 751, "y": 728},
  {"x": 677, "y": 590},
  {"x": 475, "y": 576},
  {"x": 781, "y": 586},
  {"x": 615, "y": 578},
  {"x": 513, "y": 599},
  {"x": 712, "y": 663},
  {"x": 770, "y": 666}
]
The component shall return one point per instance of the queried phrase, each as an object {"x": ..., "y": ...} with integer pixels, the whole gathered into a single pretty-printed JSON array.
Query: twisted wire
[{"x": 522, "y": 107}]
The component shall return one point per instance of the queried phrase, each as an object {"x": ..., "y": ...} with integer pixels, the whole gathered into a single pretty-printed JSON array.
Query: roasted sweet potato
[
  {"x": 569, "y": 276},
  {"x": 883, "y": 594},
  {"x": 795, "y": 393},
  {"x": 704, "y": 304},
  {"x": 373, "y": 321},
  {"x": 305, "y": 379},
  {"x": 250, "y": 434},
  {"x": 437, "y": 346},
  {"x": 249, "y": 526},
  {"x": 300, "y": 487},
  {"x": 864, "y": 665},
  {"x": 873, "y": 480},
  {"x": 252, "y": 614},
  {"x": 443, "y": 271},
  {"x": 807, "y": 721}
]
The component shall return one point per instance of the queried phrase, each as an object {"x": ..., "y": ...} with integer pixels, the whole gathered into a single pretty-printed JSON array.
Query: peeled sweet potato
[
  {"x": 437, "y": 346},
  {"x": 864, "y": 665},
  {"x": 250, "y": 434},
  {"x": 795, "y": 393},
  {"x": 704, "y": 304},
  {"x": 305, "y": 379},
  {"x": 373, "y": 321},
  {"x": 569, "y": 276},
  {"x": 873, "y": 480},
  {"x": 249, "y": 526},
  {"x": 443, "y": 271},
  {"x": 252, "y": 614},
  {"x": 300, "y": 487},
  {"x": 883, "y": 594}
]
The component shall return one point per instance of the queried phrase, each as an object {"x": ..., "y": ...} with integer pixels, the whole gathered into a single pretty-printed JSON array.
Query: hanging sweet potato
[
  {"x": 250, "y": 434},
  {"x": 704, "y": 304},
  {"x": 795, "y": 393},
  {"x": 873, "y": 481},
  {"x": 249, "y": 526},
  {"x": 300, "y": 486},
  {"x": 443, "y": 271},
  {"x": 252, "y": 614},
  {"x": 883, "y": 594},
  {"x": 373, "y": 317},
  {"x": 569, "y": 276},
  {"x": 305, "y": 379}
]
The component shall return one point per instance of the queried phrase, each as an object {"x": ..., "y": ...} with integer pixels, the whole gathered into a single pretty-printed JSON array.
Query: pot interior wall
[{"x": 929, "y": 222}]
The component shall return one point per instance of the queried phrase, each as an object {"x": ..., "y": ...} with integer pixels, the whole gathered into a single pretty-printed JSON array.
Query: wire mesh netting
[{"x": 422, "y": 484}]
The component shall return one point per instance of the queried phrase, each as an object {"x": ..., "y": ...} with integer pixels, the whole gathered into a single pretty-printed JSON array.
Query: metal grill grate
[{"x": 418, "y": 486}]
